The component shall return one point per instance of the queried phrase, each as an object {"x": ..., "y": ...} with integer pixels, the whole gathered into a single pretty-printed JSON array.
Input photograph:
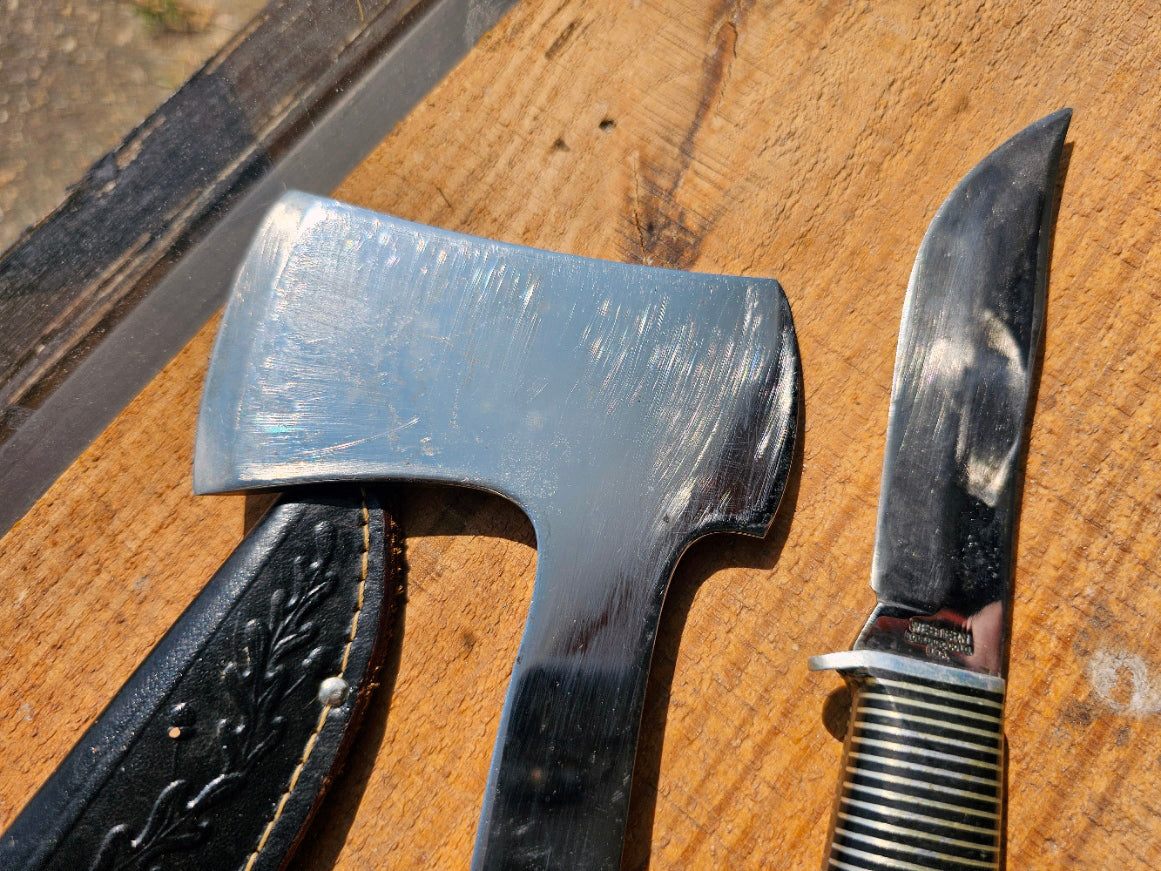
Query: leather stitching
[{"x": 327, "y": 707}]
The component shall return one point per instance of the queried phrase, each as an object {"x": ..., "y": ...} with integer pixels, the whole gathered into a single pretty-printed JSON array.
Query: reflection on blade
[
  {"x": 923, "y": 779},
  {"x": 959, "y": 403}
]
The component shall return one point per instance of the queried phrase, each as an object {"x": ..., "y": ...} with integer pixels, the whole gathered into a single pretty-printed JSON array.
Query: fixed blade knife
[{"x": 922, "y": 772}]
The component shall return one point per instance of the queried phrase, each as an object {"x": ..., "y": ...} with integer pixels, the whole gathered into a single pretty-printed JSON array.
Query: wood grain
[{"x": 810, "y": 142}]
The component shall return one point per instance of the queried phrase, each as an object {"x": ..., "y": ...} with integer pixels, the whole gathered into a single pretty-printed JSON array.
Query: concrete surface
[{"x": 76, "y": 76}]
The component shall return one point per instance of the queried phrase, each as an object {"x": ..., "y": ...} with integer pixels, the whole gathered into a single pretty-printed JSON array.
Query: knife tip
[{"x": 1058, "y": 120}]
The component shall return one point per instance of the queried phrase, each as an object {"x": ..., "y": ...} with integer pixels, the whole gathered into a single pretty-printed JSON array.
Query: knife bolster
[{"x": 923, "y": 766}]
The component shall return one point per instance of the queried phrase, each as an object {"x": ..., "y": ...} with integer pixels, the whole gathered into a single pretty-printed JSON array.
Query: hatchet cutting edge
[{"x": 627, "y": 410}]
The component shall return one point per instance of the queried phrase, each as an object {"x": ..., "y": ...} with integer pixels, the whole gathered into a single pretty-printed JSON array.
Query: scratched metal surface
[
  {"x": 100, "y": 295},
  {"x": 363, "y": 347},
  {"x": 629, "y": 410},
  {"x": 964, "y": 372}
]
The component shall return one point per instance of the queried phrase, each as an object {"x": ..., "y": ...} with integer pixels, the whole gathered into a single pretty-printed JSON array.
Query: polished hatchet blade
[
  {"x": 628, "y": 410},
  {"x": 922, "y": 777}
]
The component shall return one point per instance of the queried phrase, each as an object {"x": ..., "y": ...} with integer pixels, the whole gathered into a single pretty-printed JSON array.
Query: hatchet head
[{"x": 626, "y": 409}]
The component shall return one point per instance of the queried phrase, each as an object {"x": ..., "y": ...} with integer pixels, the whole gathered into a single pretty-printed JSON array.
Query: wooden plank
[{"x": 811, "y": 142}]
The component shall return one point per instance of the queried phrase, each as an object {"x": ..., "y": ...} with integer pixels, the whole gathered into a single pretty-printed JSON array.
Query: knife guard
[
  {"x": 923, "y": 766},
  {"x": 218, "y": 749}
]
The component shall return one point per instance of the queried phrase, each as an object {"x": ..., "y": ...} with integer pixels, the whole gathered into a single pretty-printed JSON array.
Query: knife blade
[{"x": 922, "y": 773}]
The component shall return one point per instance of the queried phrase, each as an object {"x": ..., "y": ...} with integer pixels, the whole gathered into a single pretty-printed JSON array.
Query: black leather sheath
[{"x": 215, "y": 753}]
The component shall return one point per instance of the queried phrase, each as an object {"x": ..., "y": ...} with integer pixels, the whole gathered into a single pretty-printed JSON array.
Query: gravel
[{"x": 76, "y": 76}]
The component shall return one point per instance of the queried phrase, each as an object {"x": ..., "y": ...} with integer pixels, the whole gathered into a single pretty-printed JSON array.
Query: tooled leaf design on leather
[{"x": 269, "y": 664}]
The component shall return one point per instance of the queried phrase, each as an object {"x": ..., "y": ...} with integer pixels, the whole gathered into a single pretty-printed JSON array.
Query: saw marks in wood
[
  {"x": 814, "y": 143},
  {"x": 809, "y": 142}
]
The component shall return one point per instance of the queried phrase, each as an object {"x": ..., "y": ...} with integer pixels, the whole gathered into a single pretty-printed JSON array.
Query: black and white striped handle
[{"x": 922, "y": 773}]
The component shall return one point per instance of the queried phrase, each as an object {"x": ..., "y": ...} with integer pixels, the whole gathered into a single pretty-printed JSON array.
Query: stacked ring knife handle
[{"x": 922, "y": 772}]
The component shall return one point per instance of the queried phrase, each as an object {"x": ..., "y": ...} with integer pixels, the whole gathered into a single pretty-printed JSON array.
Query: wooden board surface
[{"x": 809, "y": 142}]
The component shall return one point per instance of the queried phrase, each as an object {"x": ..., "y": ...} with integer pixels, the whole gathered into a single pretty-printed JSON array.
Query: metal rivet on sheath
[{"x": 333, "y": 691}]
